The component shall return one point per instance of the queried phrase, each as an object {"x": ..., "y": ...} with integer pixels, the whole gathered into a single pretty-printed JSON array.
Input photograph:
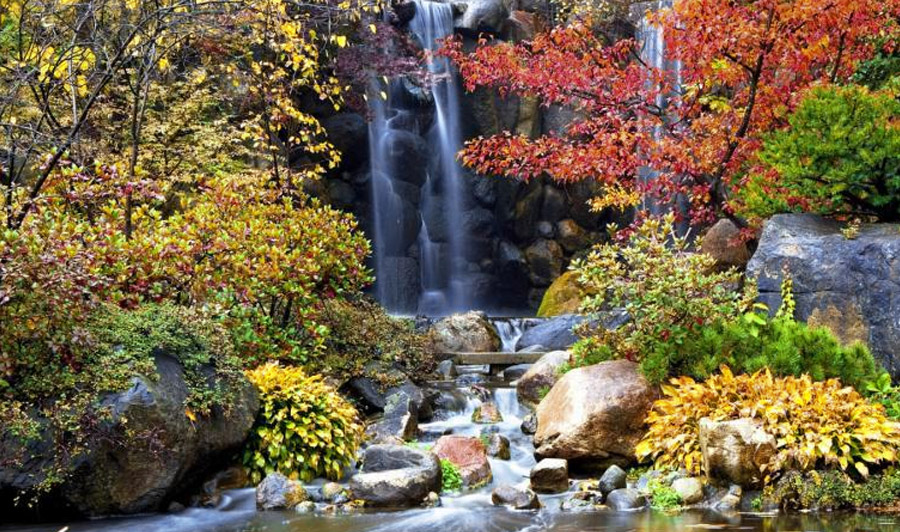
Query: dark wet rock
[
  {"x": 614, "y": 399},
  {"x": 111, "y": 478},
  {"x": 550, "y": 475},
  {"x": 529, "y": 424},
  {"x": 277, "y": 492},
  {"x": 483, "y": 16},
  {"x": 542, "y": 375},
  {"x": 546, "y": 230},
  {"x": 515, "y": 372},
  {"x": 614, "y": 478},
  {"x": 487, "y": 413},
  {"x": 626, "y": 499},
  {"x": 515, "y": 497},
  {"x": 848, "y": 285},
  {"x": 469, "y": 455},
  {"x": 554, "y": 334},
  {"x": 349, "y": 132},
  {"x": 401, "y": 415},
  {"x": 572, "y": 237},
  {"x": 735, "y": 450},
  {"x": 396, "y": 476},
  {"x": 545, "y": 262},
  {"x": 498, "y": 446}
]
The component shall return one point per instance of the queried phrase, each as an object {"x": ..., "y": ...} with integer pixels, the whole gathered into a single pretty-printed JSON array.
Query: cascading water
[{"x": 422, "y": 274}]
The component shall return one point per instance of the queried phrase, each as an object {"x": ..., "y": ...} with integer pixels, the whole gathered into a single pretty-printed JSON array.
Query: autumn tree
[{"x": 743, "y": 67}]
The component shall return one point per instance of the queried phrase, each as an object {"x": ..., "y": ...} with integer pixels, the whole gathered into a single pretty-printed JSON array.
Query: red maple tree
[{"x": 744, "y": 65}]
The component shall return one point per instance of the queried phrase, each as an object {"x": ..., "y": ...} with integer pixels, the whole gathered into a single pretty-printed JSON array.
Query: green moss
[
  {"x": 663, "y": 497},
  {"x": 563, "y": 297},
  {"x": 834, "y": 490}
]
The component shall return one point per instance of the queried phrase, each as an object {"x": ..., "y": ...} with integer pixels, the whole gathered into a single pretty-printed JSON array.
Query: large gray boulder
[
  {"x": 595, "y": 415},
  {"x": 852, "y": 286},
  {"x": 554, "y": 334},
  {"x": 735, "y": 450},
  {"x": 515, "y": 497},
  {"x": 396, "y": 476},
  {"x": 143, "y": 475},
  {"x": 482, "y": 15},
  {"x": 277, "y": 492}
]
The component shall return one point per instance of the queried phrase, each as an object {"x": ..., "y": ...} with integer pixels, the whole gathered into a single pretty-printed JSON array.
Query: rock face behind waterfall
[
  {"x": 594, "y": 416},
  {"x": 169, "y": 453},
  {"x": 851, "y": 286}
]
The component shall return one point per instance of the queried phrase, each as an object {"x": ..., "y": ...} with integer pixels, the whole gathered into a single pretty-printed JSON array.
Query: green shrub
[
  {"x": 835, "y": 490},
  {"x": 882, "y": 391},
  {"x": 451, "y": 480},
  {"x": 667, "y": 290},
  {"x": 840, "y": 156},
  {"x": 304, "y": 430},
  {"x": 663, "y": 497}
]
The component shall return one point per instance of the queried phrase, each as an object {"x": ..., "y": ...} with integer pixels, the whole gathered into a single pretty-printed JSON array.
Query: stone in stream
[
  {"x": 614, "y": 478},
  {"x": 277, "y": 492},
  {"x": 582, "y": 501},
  {"x": 396, "y": 476},
  {"x": 305, "y": 507},
  {"x": 529, "y": 424},
  {"x": 447, "y": 370},
  {"x": 735, "y": 450},
  {"x": 550, "y": 475},
  {"x": 626, "y": 499},
  {"x": 466, "y": 333},
  {"x": 497, "y": 446},
  {"x": 515, "y": 372},
  {"x": 469, "y": 455},
  {"x": 487, "y": 413},
  {"x": 515, "y": 497},
  {"x": 690, "y": 490},
  {"x": 401, "y": 418},
  {"x": 332, "y": 492},
  {"x": 542, "y": 375},
  {"x": 554, "y": 333},
  {"x": 595, "y": 415}
]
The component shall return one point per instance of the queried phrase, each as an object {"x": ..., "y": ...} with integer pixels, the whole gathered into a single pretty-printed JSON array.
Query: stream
[{"x": 471, "y": 511}]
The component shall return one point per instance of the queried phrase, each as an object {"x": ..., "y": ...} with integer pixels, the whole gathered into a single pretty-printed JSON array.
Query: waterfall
[{"x": 417, "y": 184}]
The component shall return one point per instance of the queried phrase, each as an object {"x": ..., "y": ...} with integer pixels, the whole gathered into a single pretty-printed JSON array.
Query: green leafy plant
[
  {"x": 667, "y": 290},
  {"x": 451, "y": 480},
  {"x": 840, "y": 156},
  {"x": 305, "y": 429},
  {"x": 882, "y": 391},
  {"x": 663, "y": 497},
  {"x": 814, "y": 423},
  {"x": 835, "y": 490}
]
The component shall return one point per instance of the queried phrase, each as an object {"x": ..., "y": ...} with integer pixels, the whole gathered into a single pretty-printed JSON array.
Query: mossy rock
[{"x": 563, "y": 297}]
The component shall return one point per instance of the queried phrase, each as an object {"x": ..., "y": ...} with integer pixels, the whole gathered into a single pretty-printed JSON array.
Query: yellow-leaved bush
[
  {"x": 815, "y": 424},
  {"x": 304, "y": 429}
]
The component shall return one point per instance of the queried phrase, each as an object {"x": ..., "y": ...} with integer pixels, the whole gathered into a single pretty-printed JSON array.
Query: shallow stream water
[{"x": 472, "y": 511}]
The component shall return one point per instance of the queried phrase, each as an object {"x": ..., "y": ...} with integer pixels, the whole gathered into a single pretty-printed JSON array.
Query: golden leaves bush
[
  {"x": 814, "y": 423},
  {"x": 304, "y": 430}
]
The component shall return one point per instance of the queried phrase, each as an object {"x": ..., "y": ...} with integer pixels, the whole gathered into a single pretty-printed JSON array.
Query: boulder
[
  {"x": 848, "y": 285},
  {"x": 735, "y": 450},
  {"x": 563, "y": 297},
  {"x": 412, "y": 152},
  {"x": 469, "y": 455},
  {"x": 498, "y": 446},
  {"x": 690, "y": 490},
  {"x": 373, "y": 397},
  {"x": 142, "y": 476},
  {"x": 722, "y": 243},
  {"x": 614, "y": 478},
  {"x": 529, "y": 424},
  {"x": 514, "y": 497},
  {"x": 332, "y": 491},
  {"x": 542, "y": 375},
  {"x": 554, "y": 333},
  {"x": 550, "y": 475},
  {"x": 277, "y": 492},
  {"x": 626, "y": 499},
  {"x": 487, "y": 414},
  {"x": 571, "y": 236},
  {"x": 516, "y": 372},
  {"x": 470, "y": 332},
  {"x": 349, "y": 132},
  {"x": 545, "y": 262},
  {"x": 396, "y": 476},
  {"x": 595, "y": 415},
  {"x": 401, "y": 417},
  {"x": 482, "y": 16}
]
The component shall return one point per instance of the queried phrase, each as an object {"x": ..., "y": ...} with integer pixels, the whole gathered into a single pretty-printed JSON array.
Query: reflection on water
[{"x": 483, "y": 519}]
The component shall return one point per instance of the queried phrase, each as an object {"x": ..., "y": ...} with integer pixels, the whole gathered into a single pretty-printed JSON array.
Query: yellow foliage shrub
[
  {"x": 814, "y": 423},
  {"x": 304, "y": 430}
]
